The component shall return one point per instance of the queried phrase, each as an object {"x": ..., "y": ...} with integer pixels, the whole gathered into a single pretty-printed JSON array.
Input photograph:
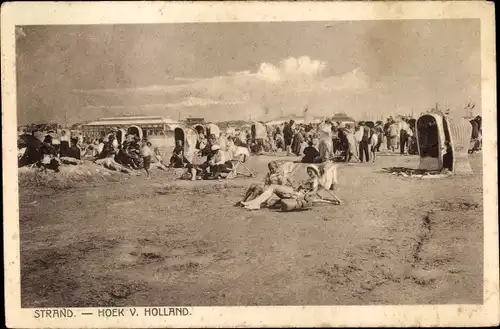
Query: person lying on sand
[
  {"x": 273, "y": 177},
  {"x": 110, "y": 163},
  {"x": 308, "y": 189}
]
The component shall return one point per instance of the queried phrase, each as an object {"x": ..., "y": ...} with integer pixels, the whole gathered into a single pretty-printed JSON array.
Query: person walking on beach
[
  {"x": 146, "y": 154},
  {"x": 374, "y": 143},
  {"x": 364, "y": 144}
]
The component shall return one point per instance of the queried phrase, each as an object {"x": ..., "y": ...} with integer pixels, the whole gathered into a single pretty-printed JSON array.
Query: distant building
[
  {"x": 194, "y": 121},
  {"x": 296, "y": 119},
  {"x": 142, "y": 126}
]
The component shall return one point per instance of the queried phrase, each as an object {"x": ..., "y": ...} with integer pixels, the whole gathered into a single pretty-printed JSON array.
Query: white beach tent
[{"x": 434, "y": 132}]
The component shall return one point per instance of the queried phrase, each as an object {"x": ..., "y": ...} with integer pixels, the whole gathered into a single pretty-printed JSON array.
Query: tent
[
  {"x": 188, "y": 137},
  {"x": 212, "y": 128},
  {"x": 443, "y": 143},
  {"x": 342, "y": 118}
]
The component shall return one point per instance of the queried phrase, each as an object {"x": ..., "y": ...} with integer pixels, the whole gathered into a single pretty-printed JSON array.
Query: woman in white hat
[
  {"x": 217, "y": 161},
  {"x": 303, "y": 191}
]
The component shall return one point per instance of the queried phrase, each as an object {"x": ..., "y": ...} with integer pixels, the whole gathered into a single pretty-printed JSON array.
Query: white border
[{"x": 147, "y": 12}]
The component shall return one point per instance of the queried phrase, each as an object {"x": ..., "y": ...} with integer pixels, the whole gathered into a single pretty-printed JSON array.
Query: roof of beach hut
[{"x": 342, "y": 117}]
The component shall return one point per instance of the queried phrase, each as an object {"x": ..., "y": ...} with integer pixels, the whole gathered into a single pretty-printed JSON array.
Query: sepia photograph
[{"x": 165, "y": 166}]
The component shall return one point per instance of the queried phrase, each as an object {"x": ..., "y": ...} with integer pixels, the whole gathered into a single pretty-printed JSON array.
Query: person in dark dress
[
  {"x": 448, "y": 157},
  {"x": 74, "y": 151},
  {"x": 364, "y": 144},
  {"x": 178, "y": 160},
  {"x": 65, "y": 144},
  {"x": 311, "y": 154},
  {"x": 288, "y": 136}
]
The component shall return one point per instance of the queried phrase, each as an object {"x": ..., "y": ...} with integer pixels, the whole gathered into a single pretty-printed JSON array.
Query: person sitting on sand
[
  {"x": 311, "y": 154},
  {"x": 74, "y": 151},
  {"x": 178, "y": 160},
  {"x": 273, "y": 177},
  {"x": 307, "y": 189},
  {"x": 202, "y": 141},
  {"x": 202, "y": 170},
  {"x": 48, "y": 155},
  {"x": 99, "y": 147},
  {"x": 217, "y": 162},
  {"x": 107, "y": 148},
  {"x": 123, "y": 158},
  {"x": 158, "y": 159},
  {"x": 279, "y": 140}
]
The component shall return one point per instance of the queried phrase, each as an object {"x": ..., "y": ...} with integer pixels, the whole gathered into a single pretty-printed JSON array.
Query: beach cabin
[
  {"x": 258, "y": 131},
  {"x": 443, "y": 143},
  {"x": 188, "y": 138}
]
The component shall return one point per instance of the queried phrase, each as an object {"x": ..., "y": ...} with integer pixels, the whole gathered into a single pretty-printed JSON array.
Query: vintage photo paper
[{"x": 227, "y": 164}]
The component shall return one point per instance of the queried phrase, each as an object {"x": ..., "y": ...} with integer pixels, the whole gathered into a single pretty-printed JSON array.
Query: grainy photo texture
[{"x": 249, "y": 163}]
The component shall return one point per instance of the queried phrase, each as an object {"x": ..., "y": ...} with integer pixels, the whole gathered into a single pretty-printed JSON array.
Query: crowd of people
[
  {"x": 217, "y": 158},
  {"x": 311, "y": 143},
  {"x": 330, "y": 140},
  {"x": 62, "y": 148}
]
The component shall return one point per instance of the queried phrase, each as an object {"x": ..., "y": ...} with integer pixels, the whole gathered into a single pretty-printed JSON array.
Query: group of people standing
[{"x": 361, "y": 141}]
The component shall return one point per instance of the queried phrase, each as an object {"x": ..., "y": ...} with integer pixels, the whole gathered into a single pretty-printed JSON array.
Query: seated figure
[
  {"x": 324, "y": 177},
  {"x": 178, "y": 160},
  {"x": 303, "y": 191},
  {"x": 273, "y": 177}
]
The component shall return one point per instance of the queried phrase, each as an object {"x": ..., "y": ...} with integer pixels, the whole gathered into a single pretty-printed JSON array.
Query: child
[
  {"x": 373, "y": 143},
  {"x": 146, "y": 157}
]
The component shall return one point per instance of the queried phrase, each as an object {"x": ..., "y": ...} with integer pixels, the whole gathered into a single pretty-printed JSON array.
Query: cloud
[
  {"x": 188, "y": 102},
  {"x": 200, "y": 102},
  {"x": 284, "y": 87}
]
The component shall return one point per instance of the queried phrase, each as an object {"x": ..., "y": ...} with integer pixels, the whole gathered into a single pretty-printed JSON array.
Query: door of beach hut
[
  {"x": 179, "y": 136},
  {"x": 200, "y": 129},
  {"x": 430, "y": 141},
  {"x": 135, "y": 130}
]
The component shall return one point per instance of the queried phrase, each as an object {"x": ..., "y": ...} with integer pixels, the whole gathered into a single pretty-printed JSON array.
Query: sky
[{"x": 258, "y": 70}]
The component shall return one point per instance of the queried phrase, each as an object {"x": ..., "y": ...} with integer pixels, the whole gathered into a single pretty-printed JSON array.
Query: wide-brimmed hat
[{"x": 313, "y": 168}]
